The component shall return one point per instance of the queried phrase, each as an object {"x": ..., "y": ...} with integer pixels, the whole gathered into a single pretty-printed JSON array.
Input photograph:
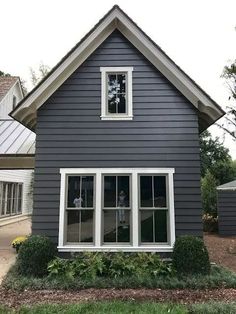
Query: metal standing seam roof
[
  {"x": 228, "y": 186},
  {"x": 15, "y": 139}
]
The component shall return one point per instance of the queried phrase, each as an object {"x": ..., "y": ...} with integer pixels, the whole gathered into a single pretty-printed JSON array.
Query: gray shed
[{"x": 227, "y": 208}]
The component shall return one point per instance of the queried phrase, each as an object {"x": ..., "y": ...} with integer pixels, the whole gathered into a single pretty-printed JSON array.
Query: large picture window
[
  {"x": 113, "y": 209},
  {"x": 10, "y": 198}
]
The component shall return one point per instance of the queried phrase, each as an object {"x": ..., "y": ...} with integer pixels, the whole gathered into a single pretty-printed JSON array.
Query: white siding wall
[
  {"x": 24, "y": 176},
  {"x": 6, "y": 105}
]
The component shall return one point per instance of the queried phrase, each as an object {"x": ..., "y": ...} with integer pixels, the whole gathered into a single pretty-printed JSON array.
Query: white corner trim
[
  {"x": 129, "y": 91},
  {"x": 135, "y": 245}
]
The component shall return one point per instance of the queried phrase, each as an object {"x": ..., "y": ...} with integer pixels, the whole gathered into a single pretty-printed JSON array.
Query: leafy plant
[{"x": 210, "y": 223}]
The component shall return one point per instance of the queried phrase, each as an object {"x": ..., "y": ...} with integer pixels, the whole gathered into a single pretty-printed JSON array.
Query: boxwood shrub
[
  {"x": 34, "y": 255},
  {"x": 190, "y": 256}
]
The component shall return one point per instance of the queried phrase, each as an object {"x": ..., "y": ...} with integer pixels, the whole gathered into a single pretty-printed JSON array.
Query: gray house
[
  {"x": 117, "y": 148},
  {"x": 226, "y": 207}
]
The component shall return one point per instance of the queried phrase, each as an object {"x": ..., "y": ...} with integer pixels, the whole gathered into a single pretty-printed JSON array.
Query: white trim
[
  {"x": 134, "y": 245},
  {"x": 227, "y": 189},
  {"x": 116, "y": 19},
  {"x": 129, "y": 92}
]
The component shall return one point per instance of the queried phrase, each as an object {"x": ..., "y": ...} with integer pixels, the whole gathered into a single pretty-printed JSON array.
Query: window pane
[
  {"x": 160, "y": 226},
  {"x": 121, "y": 99},
  {"x": 2, "y": 201},
  {"x": 9, "y": 198},
  {"x": 14, "y": 198},
  {"x": 123, "y": 191},
  {"x": 112, "y": 103},
  {"x": 160, "y": 191},
  {"x": 87, "y": 191},
  {"x": 80, "y": 226},
  {"x": 146, "y": 225},
  {"x": 116, "y": 226},
  {"x": 146, "y": 191},
  {"x": 112, "y": 93},
  {"x": 80, "y": 191},
  {"x": 19, "y": 209},
  {"x": 109, "y": 191},
  {"x": 121, "y": 78}
]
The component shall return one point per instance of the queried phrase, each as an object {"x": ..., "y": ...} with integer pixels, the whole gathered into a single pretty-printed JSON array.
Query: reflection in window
[
  {"x": 80, "y": 191},
  {"x": 116, "y": 93},
  {"x": 80, "y": 213},
  {"x": 153, "y": 226},
  {"x": 153, "y": 191},
  {"x": 116, "y": 197}
]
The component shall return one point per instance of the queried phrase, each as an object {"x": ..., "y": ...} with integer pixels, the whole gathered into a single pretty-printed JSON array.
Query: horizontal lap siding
[
  {"x": 227, "y": 212},
  {"x": 163, "y": 133}
]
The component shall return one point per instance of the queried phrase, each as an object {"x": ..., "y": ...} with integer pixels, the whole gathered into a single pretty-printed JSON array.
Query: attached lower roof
[
  {"x": 17, "y": 145},
  {"x": 26, "y": 111},
  {"x": 228, "y": 186}
]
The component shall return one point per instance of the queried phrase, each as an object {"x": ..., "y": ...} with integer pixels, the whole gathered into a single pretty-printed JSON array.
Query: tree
[
  {"x": 37, "y": 76},
  {"x": 4, "y": 74},
  {"x": 212, "y": 151},
  {"x": 229, "y": 121},
  {"x": 209, "y": 194}
]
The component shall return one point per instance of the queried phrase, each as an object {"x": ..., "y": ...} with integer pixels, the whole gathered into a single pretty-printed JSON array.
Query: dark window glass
[
  {"x": 160, "y": 191},
  {"x": 153, "y": 226},
  {"x": 3, "y": 201},
  {"x": 146, "y": 191},
  {"x": 80, "y": 191},
  {"x": 14, "y": 198},
  {"x": 116, "y": 191},
  {"x": 116, "y": 93},
  {"x": 116, "y": 226},
  {"x": 9, "y": 198},
  {"x": 80, "y": 226},
  {"x": 19, "y": 202}
]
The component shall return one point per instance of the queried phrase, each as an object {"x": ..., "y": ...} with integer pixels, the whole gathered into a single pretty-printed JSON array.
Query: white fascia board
[
  {"x": 116, "y": 19},
  {"x": 227, "y": 189},
  {"x": 117, "y": 170}
]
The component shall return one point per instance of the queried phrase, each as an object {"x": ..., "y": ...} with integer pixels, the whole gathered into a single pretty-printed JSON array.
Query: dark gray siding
[
  {"x": 227, "y": 212},
  {"x": 163, "y": 133}
]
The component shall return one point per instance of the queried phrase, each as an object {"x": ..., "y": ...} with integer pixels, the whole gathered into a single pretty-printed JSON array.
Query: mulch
[{"x": 15, "y": 299}]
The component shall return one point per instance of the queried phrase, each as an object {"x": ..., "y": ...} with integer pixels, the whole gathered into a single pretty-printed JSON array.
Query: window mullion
[
  {"x": 135, "y": 209},
  {"x": 99, "y": 185}
]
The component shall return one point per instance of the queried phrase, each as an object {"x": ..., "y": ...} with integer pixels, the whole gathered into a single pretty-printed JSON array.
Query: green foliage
[
  {"x": 209, "y": 194},
  {"x": 113, "y": 265},
  {"x": 190, "y": 256},
  {"x": 213, "y": 308},
  {"x": 210, "y": 223},
  {"x": 218, "y": 277},
  {"x": 4, "y": 74},
  {"x": 34, "y": 255},
  {"x": 212, "y": 152}
]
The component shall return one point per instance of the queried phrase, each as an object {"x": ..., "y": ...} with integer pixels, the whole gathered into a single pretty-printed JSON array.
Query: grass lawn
[
  {"x": 218, "y": 278},
  {"x": 125, "y": 307}
]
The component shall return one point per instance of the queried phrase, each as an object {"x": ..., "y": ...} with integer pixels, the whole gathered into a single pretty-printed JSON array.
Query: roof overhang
[
  {"x": 17, "y": 162},
  {"x": 26, "y": 111}
]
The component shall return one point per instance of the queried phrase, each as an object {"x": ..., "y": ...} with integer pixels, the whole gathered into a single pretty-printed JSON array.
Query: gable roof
[
  {"x": 6, "y": 82},
  {"x": 228, "y": 186},
  {"x": 26, "y": 111}
]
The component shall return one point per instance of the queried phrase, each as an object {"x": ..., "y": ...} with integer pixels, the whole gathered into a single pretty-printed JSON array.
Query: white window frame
[
  {"x": 135, "y": 244},
  {"x": 129, "y": 99}
]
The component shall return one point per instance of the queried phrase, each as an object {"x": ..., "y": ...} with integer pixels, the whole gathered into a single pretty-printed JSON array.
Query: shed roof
[
  {"x": 26, "y": 111},
  {"x": 228, "y": 186},
  {"x": 6, "y": 82}
]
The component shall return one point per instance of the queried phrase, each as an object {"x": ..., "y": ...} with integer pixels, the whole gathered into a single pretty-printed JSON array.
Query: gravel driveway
[{"x": 7, "y": 234}]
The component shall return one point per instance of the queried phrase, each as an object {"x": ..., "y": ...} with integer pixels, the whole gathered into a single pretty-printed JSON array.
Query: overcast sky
[{"x": 198, "y": 35}]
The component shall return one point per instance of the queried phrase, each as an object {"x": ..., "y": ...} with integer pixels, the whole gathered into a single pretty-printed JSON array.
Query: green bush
[
  {"x": 34, "y": 256},
  {"x": 113, "y": 265},
  {"x": 190, "y": 256}
]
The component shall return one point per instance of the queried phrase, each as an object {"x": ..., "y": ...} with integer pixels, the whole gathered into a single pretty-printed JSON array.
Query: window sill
[
  {"x": 116, "y": 118},
  {"x": 77, "y": 248}
]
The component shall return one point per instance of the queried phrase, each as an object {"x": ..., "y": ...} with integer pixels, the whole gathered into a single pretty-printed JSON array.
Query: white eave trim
[{"x": 117, "y": 19}]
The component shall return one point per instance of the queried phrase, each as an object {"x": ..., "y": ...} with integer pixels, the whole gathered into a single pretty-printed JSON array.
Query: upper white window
[{"x": 116, "y": 93}]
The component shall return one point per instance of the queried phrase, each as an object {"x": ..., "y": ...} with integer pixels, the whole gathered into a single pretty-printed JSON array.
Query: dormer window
[
  {"x": 14, "y": 102},
  {"x": 116, "y": 93}
]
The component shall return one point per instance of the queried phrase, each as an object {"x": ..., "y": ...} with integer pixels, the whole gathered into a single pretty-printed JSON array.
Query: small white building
[{"x": 17, "y": 145}]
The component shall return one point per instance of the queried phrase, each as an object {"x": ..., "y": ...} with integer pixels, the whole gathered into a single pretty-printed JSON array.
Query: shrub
[
  {"x": 34, "y": 255},
  {"x": 17, "y": 242},
  {"x": 190, "y": 256},
  {"x": 210, "y": 223}
]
